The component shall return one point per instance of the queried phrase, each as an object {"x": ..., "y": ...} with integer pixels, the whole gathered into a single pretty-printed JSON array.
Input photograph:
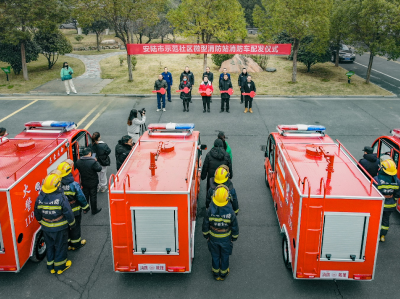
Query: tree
[
  {"x": 207, "y": 19},
  {"x": 339, "y": 25},
  {"x": 373, "y": 28},
  {"x": 20, "y": 18},
  {"x": 121, "y": 15},
  {"x": 299, "y": 19},
  {"x": 309, "y": 57},
  {"x": 248, "y": 6},
  {"x": 98, "y": 27},
  {"x": 11, "y": 54},
  {"x": 52, "y": 44}
]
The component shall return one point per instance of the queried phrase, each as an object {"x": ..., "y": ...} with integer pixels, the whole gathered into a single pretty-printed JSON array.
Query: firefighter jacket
[
  {"x": 388, "y": 186},
  {"x": 74, "y": 193},
  {"x": 53, "y": 211},
  {"x": 232, "y": 194},
  {"x": 220, "y": 222}
]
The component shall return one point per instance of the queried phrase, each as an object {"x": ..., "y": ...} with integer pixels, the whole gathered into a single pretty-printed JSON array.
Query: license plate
[
  {"x": 347, "y": 59},
  {"x": 152, "y": 267},
  {"x": 334, "y": 274}
]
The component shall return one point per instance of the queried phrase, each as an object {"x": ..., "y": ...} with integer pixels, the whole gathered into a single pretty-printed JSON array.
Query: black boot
[
  {"x": 184, "y": 107},
  {"x": 187, "y": 107}
]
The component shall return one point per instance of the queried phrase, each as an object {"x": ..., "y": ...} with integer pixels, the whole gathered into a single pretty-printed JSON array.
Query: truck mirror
[
  {"x": 203, "y": 147},
  {"x": 143, "y": 250},
  {"x": 168, "y": 250}
]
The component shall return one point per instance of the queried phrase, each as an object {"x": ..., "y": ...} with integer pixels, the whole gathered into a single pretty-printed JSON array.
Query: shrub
[
  {"x": 218, "y": 59},
  {"x": 79, "y": 38},
  {"x": 121, "y": 58},
  {"x": 133, "y": 61},
  {"x": 261, "y": 60}
]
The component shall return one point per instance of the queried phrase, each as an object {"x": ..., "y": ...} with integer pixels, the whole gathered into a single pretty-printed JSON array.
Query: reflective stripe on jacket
[
  {"x": 53, "y": 211},
  {"x": 389, "y": 187},
  {"x": 74, "y": 193},
  {"x": 220, "y": 222}
]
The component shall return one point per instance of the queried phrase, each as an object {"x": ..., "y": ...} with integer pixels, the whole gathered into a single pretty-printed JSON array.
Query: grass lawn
[
  {"x": 38, "y": 74},
  {"x": 323, "y": 79}
]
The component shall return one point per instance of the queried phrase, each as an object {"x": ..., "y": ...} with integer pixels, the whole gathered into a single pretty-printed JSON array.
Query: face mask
[
  {"x": 66, "y": 66},
  {"x": 185, "y": 80}
]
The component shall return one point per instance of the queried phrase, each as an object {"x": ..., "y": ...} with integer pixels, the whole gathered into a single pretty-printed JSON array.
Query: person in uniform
[
  {"x": 220, "y": 228},
  {"x": 388, "y": 185},
  {"x": 78, "y": 202},
  {"x": 221, "y": 177},
  {"x": 55, "y": 216}
]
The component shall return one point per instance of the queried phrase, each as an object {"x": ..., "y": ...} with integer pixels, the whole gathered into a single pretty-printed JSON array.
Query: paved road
[
  {"x": 384, "y": 73},
  {"x": 257, "y": 269}
]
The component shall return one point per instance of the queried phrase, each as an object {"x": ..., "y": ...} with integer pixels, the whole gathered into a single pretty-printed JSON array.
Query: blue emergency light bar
[
  {"x": 300, "y": 128},
  {"x": 66, "y": 125},
  {"x": 171, "y": 126}
]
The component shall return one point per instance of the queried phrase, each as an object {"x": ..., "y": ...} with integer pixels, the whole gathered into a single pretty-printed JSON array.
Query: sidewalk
[{"x": 88, "y": 83}]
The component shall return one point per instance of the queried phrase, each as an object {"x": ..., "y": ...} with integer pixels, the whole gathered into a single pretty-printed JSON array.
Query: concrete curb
[{"x": 195, "y": 97}]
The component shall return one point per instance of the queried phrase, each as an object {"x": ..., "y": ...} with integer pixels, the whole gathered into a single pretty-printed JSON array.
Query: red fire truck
[
  {"x": 329, "y": 212},
  {"x": 153, "y": 201},
  {"x": 24, "y": 163},
  {"x": 389, "y": 145}
]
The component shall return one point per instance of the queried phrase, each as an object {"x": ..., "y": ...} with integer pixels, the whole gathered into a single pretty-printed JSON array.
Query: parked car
[
  {"x": 345, "y": 54},
  {"x": 68, "y": 26}
]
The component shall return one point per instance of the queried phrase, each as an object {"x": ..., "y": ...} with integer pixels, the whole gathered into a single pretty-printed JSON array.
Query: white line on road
[
  {"x": 87, "y": 115},
  {"x": 97, "y": 116},
  {"x": 15, "y": 112},
  {"x": 378, "y": 71}
]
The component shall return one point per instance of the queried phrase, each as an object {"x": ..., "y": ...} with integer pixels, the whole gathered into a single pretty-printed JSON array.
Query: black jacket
[
  {"x": 102, "y": 153},
  {"x": 216, "y": 157},
  {"x": 247, "y": 89},
  {"x": 371, "y": 164},
  {"x": 186, "y": 96},
  {"x": 121, "y": 153},
  {"x": 189, "y": 75},
  {"x": 88, "y": 168},
  {"x": 225, "y": 85},
  {"x": 159, "y": 84},
  {"x": 209, "y": 75},
  {"x": 242, "y": 78}
]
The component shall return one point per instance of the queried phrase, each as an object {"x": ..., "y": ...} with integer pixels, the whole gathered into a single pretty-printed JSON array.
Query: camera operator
[{"x": 136, "y": 126}]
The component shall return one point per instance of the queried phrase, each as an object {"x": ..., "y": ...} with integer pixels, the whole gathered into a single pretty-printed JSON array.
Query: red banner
[{"x": 274, "y": 49}]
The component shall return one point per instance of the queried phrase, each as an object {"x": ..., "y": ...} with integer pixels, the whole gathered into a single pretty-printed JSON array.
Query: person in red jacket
[{"x": 206, "y": 84}]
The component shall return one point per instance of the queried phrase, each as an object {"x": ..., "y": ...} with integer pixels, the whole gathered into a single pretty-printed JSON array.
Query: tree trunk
[
  {"x": 198, "y": 39},
  {"x": 337, "y": 57},
  {"x": 242, "y": 40},
  {"x": 296, "y": 45},
  {"x": 129, "y": 67},
  {"x": 308, "y": 67},
  {"x": 23, "y": 61},
  {"x": 97, "y": 41},
  {"x": 371, "y": 59},
  {"x": 140, "y": 38},
  {"x": 204, "y": 62},
  {"x": 162, "y": 39}
]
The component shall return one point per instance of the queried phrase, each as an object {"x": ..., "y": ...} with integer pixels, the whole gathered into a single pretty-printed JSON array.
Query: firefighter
[
  {"x": 388, "y": 186},
  {"x": 55, "y": 215},
  {"x": 221, "y": 177},
  {"x": 220, "y": 228},
  {"x": 78, "y": 202}
]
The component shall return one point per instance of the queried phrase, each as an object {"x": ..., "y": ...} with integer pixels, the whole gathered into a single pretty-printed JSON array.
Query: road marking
[
  {"x": 378, "y": 71},
  {"x": 87, "y": 115},
  {"x": 97, "y": 116},
  {"x": 15, "y": 112}
]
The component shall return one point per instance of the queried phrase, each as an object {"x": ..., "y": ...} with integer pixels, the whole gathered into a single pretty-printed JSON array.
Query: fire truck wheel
[
  {"x": 39, "y": 251},
  {"x": 266, "y": 179},
  {"x": 285, "y": 252}
]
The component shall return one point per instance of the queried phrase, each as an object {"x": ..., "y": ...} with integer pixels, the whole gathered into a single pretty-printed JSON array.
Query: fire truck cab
[
  {"x": 153, "y": 201},
  {"x": 24, "y": 163},
  {"x": 389, "y": 145},
  {"x": 329, "y": 213}
]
